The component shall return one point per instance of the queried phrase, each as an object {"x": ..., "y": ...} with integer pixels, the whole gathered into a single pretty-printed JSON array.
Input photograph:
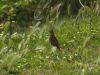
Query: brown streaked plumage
[{"x": 53, "y": 40}]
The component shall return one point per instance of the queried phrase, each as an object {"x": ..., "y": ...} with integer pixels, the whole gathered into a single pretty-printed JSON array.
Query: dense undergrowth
[{"x": 31, "y": 53}]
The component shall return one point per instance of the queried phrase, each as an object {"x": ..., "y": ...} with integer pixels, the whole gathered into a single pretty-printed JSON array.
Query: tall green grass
[{"x": 30, "y": 52}]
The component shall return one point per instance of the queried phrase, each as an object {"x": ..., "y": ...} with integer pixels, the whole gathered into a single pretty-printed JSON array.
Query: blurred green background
[{"x": 22, "y": 11}]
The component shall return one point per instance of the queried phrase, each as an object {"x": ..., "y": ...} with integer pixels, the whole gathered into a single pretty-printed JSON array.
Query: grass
[{"x": 31, "y": 53}]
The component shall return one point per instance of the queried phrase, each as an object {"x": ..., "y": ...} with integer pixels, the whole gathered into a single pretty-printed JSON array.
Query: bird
[{"x": 53, "y": 40}]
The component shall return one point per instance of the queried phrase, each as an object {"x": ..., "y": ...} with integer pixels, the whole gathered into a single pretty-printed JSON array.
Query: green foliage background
[
  {"x": 22, "y": 11},
  {"x": 29, "y": 51}
]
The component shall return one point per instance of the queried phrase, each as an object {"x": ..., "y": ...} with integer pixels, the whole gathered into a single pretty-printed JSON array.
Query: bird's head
[{"x": 51, "y": 31}]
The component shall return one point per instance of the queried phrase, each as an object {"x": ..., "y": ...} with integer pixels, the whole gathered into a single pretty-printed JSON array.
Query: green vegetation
[{"x": 30, "y": 52}]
